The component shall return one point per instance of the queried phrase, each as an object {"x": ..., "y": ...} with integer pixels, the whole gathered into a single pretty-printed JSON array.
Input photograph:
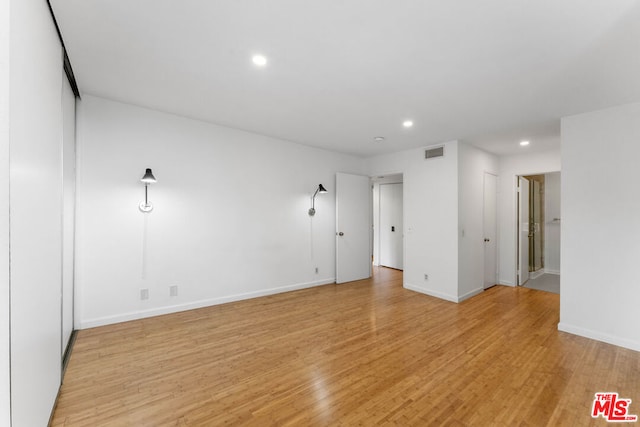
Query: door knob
[{"x": 340, "y": 233}]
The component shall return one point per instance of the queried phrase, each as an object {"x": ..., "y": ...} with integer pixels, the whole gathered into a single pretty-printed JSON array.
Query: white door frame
[
  {"x": 394, "y": 261},
  {"x": 514, "y": 213},
  {"x": 388, "y": 178},
  {"x": 523, "y": 200}
]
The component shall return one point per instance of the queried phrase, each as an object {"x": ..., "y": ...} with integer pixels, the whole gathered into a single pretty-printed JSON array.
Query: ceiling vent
[{"x": 434, "y": 152}]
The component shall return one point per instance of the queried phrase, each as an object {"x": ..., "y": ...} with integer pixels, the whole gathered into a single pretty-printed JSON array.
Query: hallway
[{"x": 546, "y": 282}]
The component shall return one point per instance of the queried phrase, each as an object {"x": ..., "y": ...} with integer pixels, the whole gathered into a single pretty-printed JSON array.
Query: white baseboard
[
  {"x": 549, "y": 271},
  {"x": 441, "y": 295},
  {"x": 142, "y": 314},
  {"x": 536, "y": 274},
  {"x": 431, "y": 293},
  {"x": 599, "y": 336},
  {"x": 506, "y": 283},
  {"x": 470, "y": 294}
]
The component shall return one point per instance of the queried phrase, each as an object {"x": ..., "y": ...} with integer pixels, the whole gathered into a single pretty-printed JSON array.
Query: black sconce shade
[
  {"x": 148, "y": 177},
  {"x": 320, "y": 190}
]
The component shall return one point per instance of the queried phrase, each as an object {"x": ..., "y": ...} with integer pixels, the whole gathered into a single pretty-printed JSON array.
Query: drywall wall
[
  {"x": 473, "y": 163},
  {"x": 443, "y": 230},
  {"x": 553, "y": 222},
  {"x": 229, "y": 220},
  {"x": 600, "y": 226},
  {"x": 5, "y": 373},
  {"x": 36, "y": 211},
  {"x": 510, "y": 168},
  {"x": 430, "y": 217}
]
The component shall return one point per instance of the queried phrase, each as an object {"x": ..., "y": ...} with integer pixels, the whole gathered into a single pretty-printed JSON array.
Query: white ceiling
[{"x": 489, "y": 72}]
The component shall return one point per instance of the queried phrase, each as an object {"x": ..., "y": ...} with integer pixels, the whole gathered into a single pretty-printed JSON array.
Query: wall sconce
[
  {"x": 147, "y": 179},
  {"x": 320, "y": 190}
]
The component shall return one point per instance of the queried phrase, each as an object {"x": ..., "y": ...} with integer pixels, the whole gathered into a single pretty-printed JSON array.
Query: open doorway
[
  {"x": 536, "y": 226},
  {"x": 539, "y": 231},
  {"x": 388, "y": 230}
]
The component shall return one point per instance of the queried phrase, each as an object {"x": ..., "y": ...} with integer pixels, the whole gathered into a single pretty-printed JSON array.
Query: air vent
[{"x": 434, "y": 152}]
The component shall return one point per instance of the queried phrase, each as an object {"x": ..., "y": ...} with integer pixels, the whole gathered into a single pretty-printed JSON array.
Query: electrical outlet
[
  {"x": 144, "y": 294},
  {"x": 426, "y": 277},
  {"x": 173, "y": 290}
]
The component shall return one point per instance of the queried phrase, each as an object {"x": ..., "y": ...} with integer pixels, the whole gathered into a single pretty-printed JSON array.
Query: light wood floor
[{"x": 364, "y": 353}]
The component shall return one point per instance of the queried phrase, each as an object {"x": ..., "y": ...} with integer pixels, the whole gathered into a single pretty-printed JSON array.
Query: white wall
[
  {"x": 601, "y": 225},
  {"x": 5, "y": 373},
  {"x": 229, "y": 221},
  {"x": 36, "y": 211},
  {"x": 430, "y": 217},
  {"x": 510, "y": 168},
  {"x": 552, "y": 228},
  {"x": 473, "y": 163}
]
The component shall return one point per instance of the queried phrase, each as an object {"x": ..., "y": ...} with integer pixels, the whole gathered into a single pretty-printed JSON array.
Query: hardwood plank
[{"x": 362, "y": 353}]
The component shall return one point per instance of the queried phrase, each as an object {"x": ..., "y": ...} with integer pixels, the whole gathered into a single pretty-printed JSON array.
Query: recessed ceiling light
[
  {"x": 259, "y": 60},
  {"x": 407, "y": 123},
  {"x": 524, "y": 143},
  {"x": 378, "y": 138}
]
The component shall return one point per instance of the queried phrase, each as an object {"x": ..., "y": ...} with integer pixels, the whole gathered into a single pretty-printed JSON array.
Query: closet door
[{"x": 68, "y": 207}]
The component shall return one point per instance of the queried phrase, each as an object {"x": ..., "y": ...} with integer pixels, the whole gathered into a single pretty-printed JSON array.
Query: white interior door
[
  {"x": 391, "y": 230},
  {"x": 523, "y": 230},
  {"x": 489, "y": 218},
  {"x": 353, "y": 227}
]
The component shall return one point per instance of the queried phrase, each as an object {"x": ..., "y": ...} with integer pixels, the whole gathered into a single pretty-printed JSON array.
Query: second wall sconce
[
  {"x": 147, "y": 179},
  {"x": 320, "y": 190}
]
